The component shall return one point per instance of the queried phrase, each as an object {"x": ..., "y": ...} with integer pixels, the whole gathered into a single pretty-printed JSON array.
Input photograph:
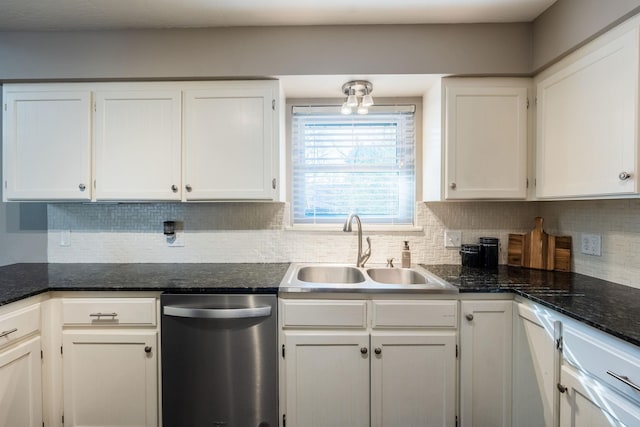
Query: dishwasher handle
[{"x": 217, "y": 313}]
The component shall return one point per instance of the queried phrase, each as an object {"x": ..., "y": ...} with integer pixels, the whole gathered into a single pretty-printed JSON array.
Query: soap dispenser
[{"x": 406, "y": 255}]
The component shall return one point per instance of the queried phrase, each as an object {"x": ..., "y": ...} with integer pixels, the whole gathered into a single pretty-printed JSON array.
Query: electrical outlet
[
  {"x": 452, "y": 238},
  {"x": 591, "y": 244}
]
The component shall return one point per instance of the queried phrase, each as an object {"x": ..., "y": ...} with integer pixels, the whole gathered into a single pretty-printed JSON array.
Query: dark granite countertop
[
  {"x": 607, "y": 306},
  {"x": 19, "y": 281}
]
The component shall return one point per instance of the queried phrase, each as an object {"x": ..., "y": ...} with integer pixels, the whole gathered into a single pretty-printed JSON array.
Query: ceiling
[{"x": 51, "y": 15}]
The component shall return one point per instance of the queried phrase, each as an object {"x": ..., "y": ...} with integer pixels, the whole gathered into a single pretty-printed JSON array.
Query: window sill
[{"x": 366, "y": 228}]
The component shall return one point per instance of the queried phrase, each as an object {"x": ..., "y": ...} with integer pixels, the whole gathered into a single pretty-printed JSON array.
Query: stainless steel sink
[
  {"x": 347, "y": 278},
  {"x": 330, "y": 274},
  {"x": 398, "y": 276}
]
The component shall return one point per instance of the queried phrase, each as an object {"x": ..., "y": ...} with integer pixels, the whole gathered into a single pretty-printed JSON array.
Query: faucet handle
[
  {"x": 365, "y": 256},
  {"x": 390, "y": 262}
]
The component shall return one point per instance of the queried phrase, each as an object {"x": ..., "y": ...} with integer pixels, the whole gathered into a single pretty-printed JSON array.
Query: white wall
[{"x": 266, "y": 51}]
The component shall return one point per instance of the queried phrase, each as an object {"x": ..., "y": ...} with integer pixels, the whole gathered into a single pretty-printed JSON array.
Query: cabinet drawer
[
  {"x": 109, "y": 311},
  {"x": 332, "y": 314},
  {"x": 597, "y": 353},
  {"x": 415, "y": 314},
  {"x": 19, "y": 323}
]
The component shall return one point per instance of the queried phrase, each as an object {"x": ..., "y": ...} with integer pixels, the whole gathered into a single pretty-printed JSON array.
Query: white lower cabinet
[
  {"x": 535, "y": 361},
  {"x": 20, "y": 366},
  {"x": 600, "y": 379},
  {"x": 485, "y": 363},
  {"x": 387, "y": 364},
  {"x": 327, "y": 381},
  {"x": 109, "y": 364},
  {"x": 110, "y": 378},
  {"x": 20, "y": 385},
  {"x": 413, "y": 379},
  {"x": 587, "y": 403}
]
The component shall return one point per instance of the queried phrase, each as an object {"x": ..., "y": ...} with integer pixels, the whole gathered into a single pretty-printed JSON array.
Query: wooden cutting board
[{"x": 539, "y": 250}]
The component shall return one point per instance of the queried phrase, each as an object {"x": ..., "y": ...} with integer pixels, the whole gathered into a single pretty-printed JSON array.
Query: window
[{"x": 357, "y": 163}]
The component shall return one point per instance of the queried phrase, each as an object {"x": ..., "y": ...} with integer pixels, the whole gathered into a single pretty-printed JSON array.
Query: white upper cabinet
[
  {"x": 229, "y": 141},
  {"x": 46, "y": 142},
  {"x": 150, "y": 141},
  {"x": 587, "y": 118},
  {"x": 478, "y": 150},
  {"x": 138, "y": 143}
]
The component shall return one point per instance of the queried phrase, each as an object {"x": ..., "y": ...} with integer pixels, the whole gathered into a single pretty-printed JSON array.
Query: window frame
[{"x": 414, "y": 102}]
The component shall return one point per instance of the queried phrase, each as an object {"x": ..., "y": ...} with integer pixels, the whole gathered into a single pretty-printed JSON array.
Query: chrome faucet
[{"x": 362, "y": 257}]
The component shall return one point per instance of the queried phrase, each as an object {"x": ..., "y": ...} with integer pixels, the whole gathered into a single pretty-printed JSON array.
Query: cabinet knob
[
  {"x": 188, "y": 188},
  {"x": 174, "y": 188},
  {"x": 623, "y": 176},
  {"x": 378, "y": 350},
  {"x": 453, "y": 185},
  {"x": 561, "y": 388},
  {"x": 82, "y": 187},
  {"x": 469, "y": 317},
  {"x": 364, "y": 350},
  {"x": 147, "y": 349}
]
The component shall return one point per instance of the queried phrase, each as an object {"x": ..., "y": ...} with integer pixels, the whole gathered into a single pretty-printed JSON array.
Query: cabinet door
[
  {"x": 110, "y": 378},
  {"x": 229, "y": 142},
  {"x": 138, "y": 145},
  {"x": 588, "y": 403},
  {"x": 327, "y": 381},
  {"x": 413, "y": 379},
  {"x": 535, "y": 360},
  {"x": 21, "y": 385},
  {"x": 486, "y": 142},
  {"x": 47, "y": 145},
  {"x": 485, "y": 363},
  {"x": 586, "y": 123}
]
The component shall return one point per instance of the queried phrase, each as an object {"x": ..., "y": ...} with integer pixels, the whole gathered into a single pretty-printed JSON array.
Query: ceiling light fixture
[{"x": 358, "y": 93}]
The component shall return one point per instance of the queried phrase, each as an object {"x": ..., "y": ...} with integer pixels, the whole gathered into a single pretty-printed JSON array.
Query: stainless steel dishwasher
[{"x": 219, "y": 360}]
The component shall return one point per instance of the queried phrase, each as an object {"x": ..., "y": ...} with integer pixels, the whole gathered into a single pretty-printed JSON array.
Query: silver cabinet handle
[
  {"x": 147, "y": 349},
  {"x": 378, "y": 350},
  {"x": 174, "y": 188},
  {"x": 623, "y": 176},
  {"x": 453, "y": 185},
  {"x": 625, "y": 380},
  {"x": 188, "y": 188},
  {"x": 364, "y": 350},
  {"x": 469, "y": 317},
  {"x": 114, "y": 315},
  {"x": 217, "y": 313},
  {"x": 10, "y": 331},
  {"x": 82, "y": 187}
]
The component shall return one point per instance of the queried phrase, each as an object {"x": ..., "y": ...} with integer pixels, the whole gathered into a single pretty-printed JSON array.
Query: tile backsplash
[{"x": 258, "y": 232}]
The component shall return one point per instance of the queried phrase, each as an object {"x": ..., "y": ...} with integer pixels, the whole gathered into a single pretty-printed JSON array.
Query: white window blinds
[{"x": 357, "y": 163}]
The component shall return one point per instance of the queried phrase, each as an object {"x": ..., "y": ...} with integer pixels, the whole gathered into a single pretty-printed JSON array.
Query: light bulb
[
  {"x": 367, "y": 100},
  {"x": 362, "y": 109},
  {"x": 352, "y": 100},
  {"x": 345, "y": 109}
]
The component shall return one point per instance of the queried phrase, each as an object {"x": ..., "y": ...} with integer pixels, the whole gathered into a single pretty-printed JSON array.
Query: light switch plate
[
  {"x": 65, "y": 238},
  {"x": 452, "y": 238},
  {"x": 591, "y": 244}
]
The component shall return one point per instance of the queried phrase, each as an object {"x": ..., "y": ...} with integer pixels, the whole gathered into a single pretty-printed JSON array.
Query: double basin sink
[{"x": 347, "y": 278}]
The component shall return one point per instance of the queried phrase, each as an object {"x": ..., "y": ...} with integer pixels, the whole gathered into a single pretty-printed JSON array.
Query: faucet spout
[{"x": 362, "y": 258}]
